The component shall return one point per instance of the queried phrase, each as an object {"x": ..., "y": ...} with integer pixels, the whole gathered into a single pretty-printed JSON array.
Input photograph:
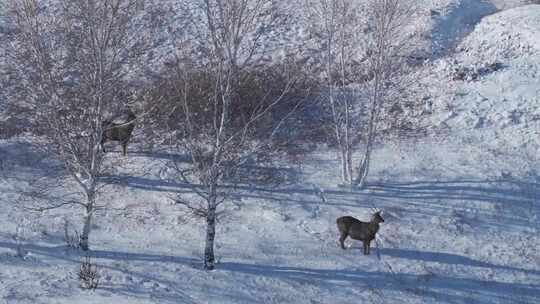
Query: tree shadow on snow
[
  {"x": 449, "y": 258},
  {"x": 495, "y": 203},
  {"x": 165, "y": 155},
  {"x": 440, "y": 288},
  {"x": 135, "y": 288},
  {"x": 18, "y": 157}
]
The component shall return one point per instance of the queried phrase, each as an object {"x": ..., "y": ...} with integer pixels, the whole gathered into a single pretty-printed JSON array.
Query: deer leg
[
  {"x": 102, "y": 144},
  {"x": 366, "y": 247},
  {"x": 124, "y": 149},
  {"x": 342, "y": 239}
]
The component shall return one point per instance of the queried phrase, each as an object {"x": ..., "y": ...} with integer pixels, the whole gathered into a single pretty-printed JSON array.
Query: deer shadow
[{"x": 449, "y": 258}]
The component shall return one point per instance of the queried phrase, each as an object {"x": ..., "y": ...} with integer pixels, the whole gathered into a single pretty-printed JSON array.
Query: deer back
[
  {"x": 119, "y": 131},
  {"x": 357, "y": 229}
]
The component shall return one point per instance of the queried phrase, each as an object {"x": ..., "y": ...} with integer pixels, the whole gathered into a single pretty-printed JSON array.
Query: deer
[
  {"x": 358, "y": 230},
  {"x": 118, "y": 132}
]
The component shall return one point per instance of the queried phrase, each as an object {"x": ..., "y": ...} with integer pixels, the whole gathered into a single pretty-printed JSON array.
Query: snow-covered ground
[
  {"x": 461, "y": 206},
  {"x": 502, "y": 108},
  {"x": 455, "y": 232}
]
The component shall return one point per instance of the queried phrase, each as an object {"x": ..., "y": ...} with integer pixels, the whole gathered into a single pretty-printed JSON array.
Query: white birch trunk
[
  {"x": 87, "y": 222},
  {"x": 365, "y": 165},
  {"x": 209, "y": 258}
]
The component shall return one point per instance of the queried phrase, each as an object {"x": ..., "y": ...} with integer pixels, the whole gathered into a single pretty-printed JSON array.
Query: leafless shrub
[
  {"x": 88, "y": 274},
  {"x": 72, "y": 240},
  {"x": 473, "y": 73}
]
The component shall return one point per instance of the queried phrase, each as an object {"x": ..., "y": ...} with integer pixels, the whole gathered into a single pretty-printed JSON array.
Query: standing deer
[
  {"x": 358, "y": 230},
  {"x": 118, "y": 131}
]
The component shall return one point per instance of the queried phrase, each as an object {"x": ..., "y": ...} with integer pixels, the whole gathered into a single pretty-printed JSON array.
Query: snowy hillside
[
  {"x": 461, "y": 205},
  {"x": 503, "y": 106}
]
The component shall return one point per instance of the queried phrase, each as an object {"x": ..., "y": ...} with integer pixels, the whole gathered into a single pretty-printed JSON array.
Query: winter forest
[{"x": 269, "y": 151}]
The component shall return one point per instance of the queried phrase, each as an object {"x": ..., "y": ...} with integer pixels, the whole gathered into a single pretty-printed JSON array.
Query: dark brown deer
[
  {"x": 358, "y": 230},
  {"x": 118, "y": 132}
]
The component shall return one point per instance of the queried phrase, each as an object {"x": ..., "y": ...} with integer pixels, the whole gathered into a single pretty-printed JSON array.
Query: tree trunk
[
  {"x": 209, "y": 260},
  {"x": 346, "y": 165},
  {"x": 87, "y": 223},
  {"x": 364, "y": 167},
  {"x": 86, "y": 230},
  {"x": 344, "y": 162},
  {"x": 350, "y": 164}
]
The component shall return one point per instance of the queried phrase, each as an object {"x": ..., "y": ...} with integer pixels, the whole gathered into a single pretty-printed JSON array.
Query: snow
[
  {"x": 448, "y": 223},
  {"x": 456, "y": 20},
  {"x": 501, "y": 107},
  {"x": 461, "y": 206}
]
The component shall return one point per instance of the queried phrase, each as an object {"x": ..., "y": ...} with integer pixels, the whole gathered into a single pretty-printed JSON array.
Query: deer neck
[{"x": 374, "y": 226}]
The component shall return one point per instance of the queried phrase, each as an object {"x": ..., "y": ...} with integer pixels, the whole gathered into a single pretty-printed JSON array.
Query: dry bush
[
  {"x": 72, "y": 239},
  {"x": 88, "y": 274},
  {"x": 257, "y": 88}
]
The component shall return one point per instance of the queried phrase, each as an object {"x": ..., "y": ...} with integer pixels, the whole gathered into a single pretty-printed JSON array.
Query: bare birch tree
[
  {"x": 391, "y": 40},
  {"x": 337, "y": 28},
  {"x": 71, "y": 59},
  {"x": 363, "y": 46},
  {"x": 218, "y": 136}
]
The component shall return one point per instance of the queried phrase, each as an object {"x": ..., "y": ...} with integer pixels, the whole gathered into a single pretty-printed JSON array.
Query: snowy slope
[
  {"x": 453, "y": 234},
  {"x": 502, "y": 107},
  {"x": 461, "y": 207},
  {"x": 455, "y": 20}
]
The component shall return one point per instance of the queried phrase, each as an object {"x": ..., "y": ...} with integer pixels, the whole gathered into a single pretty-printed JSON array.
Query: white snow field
[{"x": 461, "y": 208}]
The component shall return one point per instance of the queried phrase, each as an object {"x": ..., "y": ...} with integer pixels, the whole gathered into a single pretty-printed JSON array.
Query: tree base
[
  {"x": 209, "y": 267},
  {"x": 348, "y": 186}
]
